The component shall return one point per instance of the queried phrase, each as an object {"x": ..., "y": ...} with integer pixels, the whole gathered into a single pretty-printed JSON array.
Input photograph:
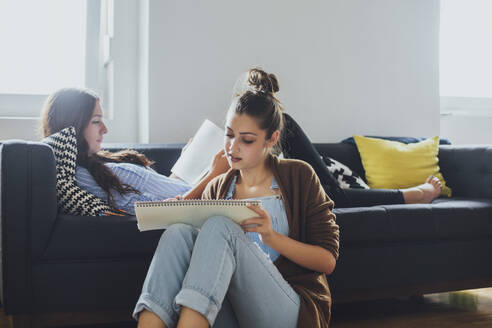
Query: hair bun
[
  {"x": 261, "y": 81},
  {"x": 274, "y": 81}
]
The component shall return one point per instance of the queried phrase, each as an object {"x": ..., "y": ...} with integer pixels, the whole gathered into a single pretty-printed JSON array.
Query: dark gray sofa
[{"x": 92, "y": 268}]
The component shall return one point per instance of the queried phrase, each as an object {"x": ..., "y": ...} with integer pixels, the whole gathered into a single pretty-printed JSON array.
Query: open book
[
  {"x": 160, "y": 215},
  {"x": 196, "y": 159}
]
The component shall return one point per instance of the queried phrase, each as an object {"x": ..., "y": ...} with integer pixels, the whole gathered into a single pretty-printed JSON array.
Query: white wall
[
  {"x": 345, "y": 67},
  {"x": 19, "y": 128},
  {"x": 123, "y": 125}
]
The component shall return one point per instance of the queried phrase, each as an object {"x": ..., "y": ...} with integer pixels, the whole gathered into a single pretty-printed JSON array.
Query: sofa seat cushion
[
  {"x": 444, "y": 219},
  {"x": 97, "y": 238}
]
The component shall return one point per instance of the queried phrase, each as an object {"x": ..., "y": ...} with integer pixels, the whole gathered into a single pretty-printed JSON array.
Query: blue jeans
[{"x": 219, "y": 272}]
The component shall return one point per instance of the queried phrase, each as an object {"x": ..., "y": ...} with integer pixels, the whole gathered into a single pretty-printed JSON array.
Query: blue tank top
[{"x": 274, "y": 205}]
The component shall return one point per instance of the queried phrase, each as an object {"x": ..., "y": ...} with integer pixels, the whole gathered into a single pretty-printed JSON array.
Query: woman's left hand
[
  {"x": 219, "y": 164},
  {"x": 263, "y": 222}
]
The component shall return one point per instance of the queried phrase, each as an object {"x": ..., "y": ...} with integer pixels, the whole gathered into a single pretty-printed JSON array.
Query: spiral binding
[{"x": 199, "y": 202}]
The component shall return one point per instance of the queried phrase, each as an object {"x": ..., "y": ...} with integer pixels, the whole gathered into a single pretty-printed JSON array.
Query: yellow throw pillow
[{"x": 395, "y": 165}]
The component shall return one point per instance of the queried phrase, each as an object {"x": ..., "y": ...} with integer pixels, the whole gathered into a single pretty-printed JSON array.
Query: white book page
[{"x": 195, "y": 161}]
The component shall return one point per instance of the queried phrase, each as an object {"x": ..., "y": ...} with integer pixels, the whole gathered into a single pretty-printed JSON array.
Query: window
[
  {"x": 465, "y": 60},
  {"x": 47, "y": 45}
]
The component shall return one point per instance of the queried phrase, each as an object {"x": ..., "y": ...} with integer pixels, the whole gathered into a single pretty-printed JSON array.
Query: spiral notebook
[{"x": 162, "y": 214}]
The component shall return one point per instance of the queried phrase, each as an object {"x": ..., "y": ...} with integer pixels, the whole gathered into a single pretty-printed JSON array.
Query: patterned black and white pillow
[
  {"x": 71, "y": 198},
  {"x": 345, "y": 177}
]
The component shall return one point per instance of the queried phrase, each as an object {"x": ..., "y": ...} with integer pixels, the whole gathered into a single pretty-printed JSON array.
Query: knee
[
  {"x": 180, "y": 231},
  {"x": 221, "y": 225}
]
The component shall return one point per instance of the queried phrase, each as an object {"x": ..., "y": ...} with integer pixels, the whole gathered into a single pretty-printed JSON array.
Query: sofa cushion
[
  {"x": 405, "y": 140},
  {"x": 345, "y": 177},
  {"x": 70, "y": 197},
  {"x": 95, "y": 238},
  {"x": 395, "y": 165},
  {"x": 444, "y": 219}
]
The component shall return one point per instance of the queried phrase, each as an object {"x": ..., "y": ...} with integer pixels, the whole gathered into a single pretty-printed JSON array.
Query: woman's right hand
[{"x": 219, "y": 164}]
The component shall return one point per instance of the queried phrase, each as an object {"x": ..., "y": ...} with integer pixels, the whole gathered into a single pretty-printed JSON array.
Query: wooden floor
[{"x": 469, "y": 308}]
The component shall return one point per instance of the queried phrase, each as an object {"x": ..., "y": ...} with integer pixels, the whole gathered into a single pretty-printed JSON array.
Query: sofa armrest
[
  {"x": 27, "y": 212},
  {"x": 467, "y": 170}
]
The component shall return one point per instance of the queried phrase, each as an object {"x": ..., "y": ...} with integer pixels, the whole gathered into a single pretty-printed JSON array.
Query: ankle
[
  {"x": 191, "y": 318},
  {"x": 148, "y": 319}
]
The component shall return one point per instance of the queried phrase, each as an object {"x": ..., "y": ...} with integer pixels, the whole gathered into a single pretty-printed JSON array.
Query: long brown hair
[{"x": 75, "y": 107}]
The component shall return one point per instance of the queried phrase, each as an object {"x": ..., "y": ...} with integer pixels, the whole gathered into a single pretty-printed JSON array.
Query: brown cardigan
[{"x": 310, "y": 221}]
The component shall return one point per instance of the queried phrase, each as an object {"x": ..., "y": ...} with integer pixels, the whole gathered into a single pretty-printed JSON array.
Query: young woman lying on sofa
[
  {"x": 124, "y": 177},
  {"x": 119, "y": 178},
  {"x": 297, "y": 145}
]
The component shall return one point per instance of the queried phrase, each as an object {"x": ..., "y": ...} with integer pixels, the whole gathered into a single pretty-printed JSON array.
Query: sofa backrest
[
  {"x": 466, "y": 169},
  {"x": 164, "y": 155},
  {"x": 345, "y": 153}
]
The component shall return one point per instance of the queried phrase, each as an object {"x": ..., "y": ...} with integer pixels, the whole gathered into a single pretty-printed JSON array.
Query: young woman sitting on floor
[{"x": 231, "y": 275}]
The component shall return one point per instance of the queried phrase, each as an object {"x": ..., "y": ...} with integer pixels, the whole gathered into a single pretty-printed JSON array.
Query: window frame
[
  {"x": 460, "y": 105},
  {"x": 466, "y": 106},
  {"x": 29, "y": 105}
]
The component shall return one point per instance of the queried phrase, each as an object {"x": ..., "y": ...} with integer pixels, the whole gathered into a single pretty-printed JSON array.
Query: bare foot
[
  {"x": 424, "y": 193},
  {"x": 431, "y": 188}
]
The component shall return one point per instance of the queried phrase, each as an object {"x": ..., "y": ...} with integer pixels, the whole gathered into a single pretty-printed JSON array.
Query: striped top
[
  {"x": 152, "y": 185},
  {"x": 274, "y": 205}
]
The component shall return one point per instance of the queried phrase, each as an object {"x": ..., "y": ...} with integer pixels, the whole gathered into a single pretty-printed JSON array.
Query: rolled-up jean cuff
[
  {"x": 197, "y": 301},
  {"x": 148, "y": 303}
]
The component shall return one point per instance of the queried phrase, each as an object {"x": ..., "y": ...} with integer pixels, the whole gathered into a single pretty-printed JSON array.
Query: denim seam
[
  {"x": 201, "y": 291},
  {"x": 274, "y": 278},
  {"x": 248, "y": 241},
  {"x": 148, "y": 298},
  {"x": 157, "y": 301},
  {"x": 225, "y": 255},
  {"x": 210, "y": 295}
]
